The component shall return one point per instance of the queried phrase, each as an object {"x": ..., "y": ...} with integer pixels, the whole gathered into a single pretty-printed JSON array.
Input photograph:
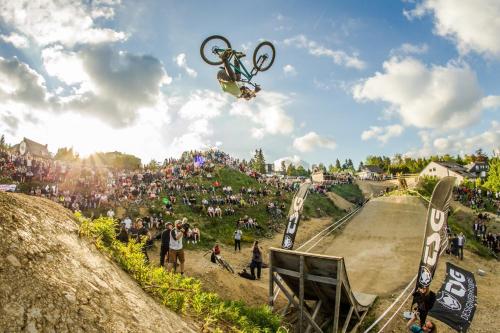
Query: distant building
[
  {"x": 478, "y": 169},
  {"x": 269, "y": 168},
  {"x": 371, "y": 172},
  {"x": 443, "y": 169},
  {"x": 31, "y": 147}
]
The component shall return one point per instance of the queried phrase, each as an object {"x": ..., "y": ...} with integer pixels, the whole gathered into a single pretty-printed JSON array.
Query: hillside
[{"x": 56, "y": 281}]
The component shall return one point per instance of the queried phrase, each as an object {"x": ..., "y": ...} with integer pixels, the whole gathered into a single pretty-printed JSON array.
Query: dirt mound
[
  {"x": 372, "y": 188},
  {"x": 54, "y": 281},
  {"x": 340, "y": 202},
  {"x": 381, "y": 245}
]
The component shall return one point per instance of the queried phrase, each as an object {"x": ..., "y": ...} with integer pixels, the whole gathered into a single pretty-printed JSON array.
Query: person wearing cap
[
  {"x": 165, "y": 243},
  {"x": 175, "y": 247}
]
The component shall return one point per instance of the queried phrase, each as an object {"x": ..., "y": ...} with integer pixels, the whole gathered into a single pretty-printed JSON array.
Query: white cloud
[
  {"x": 458, "y": 142},
  {"x": 67, "y": 66},
  {"x": 119, "y": 84},
  {"x": 181, "y": 61},
  {"x": 426, "y": 97},
  {"x": 17, "y": 40},
  {"x": 408, "y": 48},
  {"x": 382, "y": 134},
  {"x": 267, "y": 113},
  {"x": 203, "y": 104},
  {"x": 471, "y": 25},
  {"x": 64, "y": 21},
  {"x": 295, "y": 160},
  {"x": 339, "y": 57},
  {"x": 312, "y": 140},
  {"x": 463, "y": 143},
  {"x": 19, "y": 83},
  {"x": 289, "y": 70}
]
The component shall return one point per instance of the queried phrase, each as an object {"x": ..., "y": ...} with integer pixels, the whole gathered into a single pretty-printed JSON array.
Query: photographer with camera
[
  {"x": 424, "y": 298},
  {"x": 175, "y": 247}
]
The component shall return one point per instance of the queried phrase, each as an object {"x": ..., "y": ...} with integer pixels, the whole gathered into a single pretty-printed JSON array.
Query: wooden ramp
[{"x": 318, "y": 287}]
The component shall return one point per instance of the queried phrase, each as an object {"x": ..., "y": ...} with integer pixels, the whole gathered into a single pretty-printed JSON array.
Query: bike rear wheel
[
  {"x": 263, "y": 56},
  {"x": 208, "y": 47}
]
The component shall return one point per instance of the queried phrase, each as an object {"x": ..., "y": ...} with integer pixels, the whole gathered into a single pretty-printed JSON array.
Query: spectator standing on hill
[
  {"x": 110, "y": 213},
  {"x": 165, "y": 242},
  {"x": 143, "y": 235},
  {"x": 256, "y": 260},
  {"x": 237, "y": 239},
  {"x": 460, "y": 244},
  {"x": 175, "y": 247}
]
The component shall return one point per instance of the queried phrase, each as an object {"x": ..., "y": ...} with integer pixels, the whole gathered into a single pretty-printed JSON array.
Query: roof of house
[
  {"x": 457, "y": 168},
  {"x": 372, "y": 168},
  {"x": 34, "y": 148}
]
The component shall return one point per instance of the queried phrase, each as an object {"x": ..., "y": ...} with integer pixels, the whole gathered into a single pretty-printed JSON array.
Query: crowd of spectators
[{"x": 478, "y": 199}]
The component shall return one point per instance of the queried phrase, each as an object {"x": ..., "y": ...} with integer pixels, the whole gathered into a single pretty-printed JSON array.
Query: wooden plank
[
  {"x": 294, "y": 302},
  {"x": 338, "y": 294},
  {"x": 271, "y": 281},
  {"x": 314, "y": 315},
  {"x": 348, "y": 319},
  {"x": 306, "y": 254},
  {"x": 301, "y": 292},
  {"x": 307, "y": 276}
]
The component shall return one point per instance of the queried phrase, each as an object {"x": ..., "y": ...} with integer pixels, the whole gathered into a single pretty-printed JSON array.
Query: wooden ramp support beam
[{"x": 318, "y": 287}]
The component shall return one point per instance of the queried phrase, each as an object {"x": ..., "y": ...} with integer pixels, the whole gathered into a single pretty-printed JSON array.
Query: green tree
[
  {"x": 3, "y": 144},
  {"x": 66, "y": 154},
  {"x": 283, "y": 167},
  {"x": 493, "y": 181},
  {"x": 291, "y": 170},
  {"x": 259, "y": 163},
  {"x": 337, "y": 165},
  {"x": 153, "y": 165},
  {"x": 360, "y": 166}
]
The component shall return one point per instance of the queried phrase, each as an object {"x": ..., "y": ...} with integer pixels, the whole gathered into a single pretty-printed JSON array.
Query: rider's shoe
[
  {"x": 239, "y": 54},
  {"x": 257, "y": 89}
]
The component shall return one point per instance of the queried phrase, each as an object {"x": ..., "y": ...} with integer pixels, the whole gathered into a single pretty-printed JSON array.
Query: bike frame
[{"x": 242, "y": 70}]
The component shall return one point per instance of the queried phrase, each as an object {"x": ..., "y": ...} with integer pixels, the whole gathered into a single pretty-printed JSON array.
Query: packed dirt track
[
  {"x": 381, "y": 245},
  {"x": 53, "y": 281}
]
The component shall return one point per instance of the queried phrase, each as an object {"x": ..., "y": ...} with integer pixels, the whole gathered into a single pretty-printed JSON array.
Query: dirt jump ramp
[{"x": 53, "y": 281}]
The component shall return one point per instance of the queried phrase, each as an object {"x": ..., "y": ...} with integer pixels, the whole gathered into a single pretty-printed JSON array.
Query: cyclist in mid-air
[
  {"x": 230, "y": 80},
  {"x": 233, "y": 77}
]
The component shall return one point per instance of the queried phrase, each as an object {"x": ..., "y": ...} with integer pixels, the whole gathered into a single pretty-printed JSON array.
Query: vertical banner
[
  {"x": 294, "y": 216},
  {"x": 456, "y": 301},
  {"x": 437, "y": 216}
]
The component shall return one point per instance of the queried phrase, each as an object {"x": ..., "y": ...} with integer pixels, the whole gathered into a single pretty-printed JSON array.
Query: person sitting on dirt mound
[
  {"x": 425, "y": 298},
  {"x": 244, "y": 274}
]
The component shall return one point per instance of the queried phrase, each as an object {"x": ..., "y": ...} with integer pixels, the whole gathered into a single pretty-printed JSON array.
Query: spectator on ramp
[
  {"x": 256, "y": 260},
  {"x": 429, "y": 326}
]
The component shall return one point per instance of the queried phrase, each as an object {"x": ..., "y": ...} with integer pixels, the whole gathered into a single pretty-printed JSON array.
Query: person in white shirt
[
  {"x": 237, "y": 239},
  {"x": 110, "y": 213},
  {"x": 127, "y": 222},
  {"x": 461, "y": 243},
  {"x": 175, "y": 247}
]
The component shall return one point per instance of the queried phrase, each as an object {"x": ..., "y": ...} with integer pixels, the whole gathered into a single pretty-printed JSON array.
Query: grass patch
[
  {"x": 181, "y": 294},
  {"x": 318, "y": 205},
  {"x": 350, "y": 192}
]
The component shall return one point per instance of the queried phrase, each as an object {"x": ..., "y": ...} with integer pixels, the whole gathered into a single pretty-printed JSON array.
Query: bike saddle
[{"x": 239, "y": 54}]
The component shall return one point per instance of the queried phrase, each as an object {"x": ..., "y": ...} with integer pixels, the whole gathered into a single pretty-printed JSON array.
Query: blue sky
[{"x": 350, "y": 79}]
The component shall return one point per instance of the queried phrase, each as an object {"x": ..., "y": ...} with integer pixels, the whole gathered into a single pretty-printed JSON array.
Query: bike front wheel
[
  {"x": 209, "y": 49},
  {"x": 263, "y": 56}
]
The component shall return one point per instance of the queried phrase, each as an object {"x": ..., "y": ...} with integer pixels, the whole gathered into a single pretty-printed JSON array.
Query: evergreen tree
[
  {"x": 361, "y": 165},
  {"x": 291, "y": 170},
  {"x": 3, "y": 145},
  {"x": 337, "y": 165},
  {"x": 283, "y": 167},
  {"x": 259, "y": 163}
]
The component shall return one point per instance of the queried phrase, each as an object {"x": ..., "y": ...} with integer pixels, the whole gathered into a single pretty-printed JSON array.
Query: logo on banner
[
  {"x": 425, "y": 278},
  {"x": 287, "y": 243},
  {"x": 449, "y": 301}
]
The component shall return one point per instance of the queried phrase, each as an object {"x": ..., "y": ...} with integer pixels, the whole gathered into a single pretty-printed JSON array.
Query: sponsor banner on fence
[
  {"x": 437, "y": 216},
  {"x": 294, "y": 216},
  {"x": 457, "y": 299},
  {"x": 8, "y": 187}
]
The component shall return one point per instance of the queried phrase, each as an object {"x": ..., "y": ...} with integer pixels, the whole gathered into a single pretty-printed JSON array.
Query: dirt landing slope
[
  {"x": 373, "y": 188},
  {"x": 53, "y": 281},
  {"x": 381, "y": 245},
  {"x": 340, "y": 202}
]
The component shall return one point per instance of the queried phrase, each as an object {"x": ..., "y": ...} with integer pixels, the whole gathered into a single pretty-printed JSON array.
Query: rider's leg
[
  {"x": 237, "y": 69},
  {"x": 227, "y": 66}
]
